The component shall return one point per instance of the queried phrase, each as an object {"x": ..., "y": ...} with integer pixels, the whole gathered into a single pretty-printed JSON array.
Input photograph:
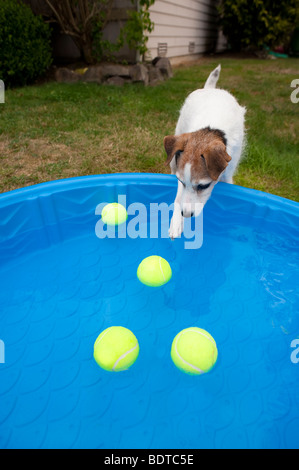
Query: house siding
[{"x": 185, "y": 28}]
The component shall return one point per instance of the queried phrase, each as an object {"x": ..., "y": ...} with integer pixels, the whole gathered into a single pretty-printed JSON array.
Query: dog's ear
[
  {"x": 169, "y": 143},
  {"x": 216, "y": 159}
]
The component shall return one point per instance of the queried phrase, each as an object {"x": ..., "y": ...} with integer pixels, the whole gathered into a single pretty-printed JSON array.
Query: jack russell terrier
[{"x": 206, "y": 148}]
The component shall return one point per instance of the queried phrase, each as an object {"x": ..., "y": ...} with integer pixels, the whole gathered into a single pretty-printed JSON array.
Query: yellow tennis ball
[
  {"x": 114, "y": 214},
  {"x": 154, "y": 271},
  {"x": 116, "y": 349},
  {"x": 194, "y": 351}
]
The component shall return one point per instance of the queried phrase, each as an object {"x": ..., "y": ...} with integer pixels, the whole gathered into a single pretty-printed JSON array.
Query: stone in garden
[
  {"x": 164, "y": 65},
  {"x": 117, "y": 81},
  {"x": 111, "y": 70},
  {"x": 139, "y": 73},
  {"x": 155, "y": 75},
  {"x": 64, "y": 74},
  {"x": 93, "y": 74}
]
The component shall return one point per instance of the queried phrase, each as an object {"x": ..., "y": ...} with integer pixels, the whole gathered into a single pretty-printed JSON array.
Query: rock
[
  {"x": 155, "y": 60},
  {"x": 110, "y": 70},
  {"x": 155, "y": 75},
  {"x": 115, "y": 74},
  {"x": 64, "y": 74},
  {"x": 93, "y": 74},
  {"x": 118, "y": 81},
  {"x": 164, "y": 65},
  {"x": 139, "y": 73}
]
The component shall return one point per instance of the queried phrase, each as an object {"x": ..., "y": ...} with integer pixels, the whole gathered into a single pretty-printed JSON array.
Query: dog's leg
[{"x": 177, "y": 221}]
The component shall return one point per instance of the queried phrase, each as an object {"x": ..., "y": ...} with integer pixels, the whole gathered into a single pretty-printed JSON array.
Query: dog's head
[{"x": 199, "y": 159}]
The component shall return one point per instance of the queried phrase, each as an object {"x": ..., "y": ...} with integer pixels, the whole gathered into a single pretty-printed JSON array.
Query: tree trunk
[
  {"x": 76, "y": 18},
  {"x": 87, "y": 53}
]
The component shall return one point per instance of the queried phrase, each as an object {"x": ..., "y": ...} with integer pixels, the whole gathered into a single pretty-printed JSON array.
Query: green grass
[{"x": 55, "y": 130}]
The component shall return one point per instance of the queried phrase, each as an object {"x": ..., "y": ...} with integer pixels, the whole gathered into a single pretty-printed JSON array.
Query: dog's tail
[{"x": 213, "y": 78}]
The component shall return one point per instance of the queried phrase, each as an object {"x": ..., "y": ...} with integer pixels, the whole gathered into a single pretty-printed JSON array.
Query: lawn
[{"x": 54, "y": 130}]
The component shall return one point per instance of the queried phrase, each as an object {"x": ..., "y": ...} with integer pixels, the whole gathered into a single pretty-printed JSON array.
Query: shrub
[
  {"x": 25, "y": 51},
  {"x": 255, "y": 23},
  {"x": 136, "y": 27}
]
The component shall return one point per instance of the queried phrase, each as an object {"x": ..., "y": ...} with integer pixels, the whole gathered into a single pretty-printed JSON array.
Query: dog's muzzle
[
  {"x": 187, "y": 214},
  {"x": 191, "y": 209}
]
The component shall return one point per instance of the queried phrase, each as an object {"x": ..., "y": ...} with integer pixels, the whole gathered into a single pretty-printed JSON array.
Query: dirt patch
[
  {"x": 33, "y": 160},
  {"x": 39, "y": 160}
]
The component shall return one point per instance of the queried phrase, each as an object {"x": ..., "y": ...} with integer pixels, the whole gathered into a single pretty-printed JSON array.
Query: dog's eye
[
  {"x": 177, "y": 155},
  {"x": 201, "y": 187}
]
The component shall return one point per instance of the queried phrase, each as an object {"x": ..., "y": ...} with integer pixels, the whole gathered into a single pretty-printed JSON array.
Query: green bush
[
  {"x": 251, "y": 24},
  {"x": 25, "y": 51}
]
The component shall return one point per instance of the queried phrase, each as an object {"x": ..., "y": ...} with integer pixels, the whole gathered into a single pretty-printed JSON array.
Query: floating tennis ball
[
  {"x": 194, "y": 351},
  {"x": 114, "y": 214},
  {"x": 116, "y": 349},
  {"x": 154, "y": 271}
]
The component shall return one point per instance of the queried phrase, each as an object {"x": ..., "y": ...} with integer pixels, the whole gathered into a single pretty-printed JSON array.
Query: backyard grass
[{"x": 55, "y": 130}]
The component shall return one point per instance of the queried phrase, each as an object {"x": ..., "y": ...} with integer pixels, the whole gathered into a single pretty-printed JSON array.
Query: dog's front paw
[{"x": 176, "y": 227}]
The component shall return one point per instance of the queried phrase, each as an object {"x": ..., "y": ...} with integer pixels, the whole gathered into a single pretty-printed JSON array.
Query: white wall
[{"x": 179, "y": 23}]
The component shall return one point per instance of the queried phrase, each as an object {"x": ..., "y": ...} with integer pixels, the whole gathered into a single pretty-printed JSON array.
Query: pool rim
[{"x": 81, "y": 182}]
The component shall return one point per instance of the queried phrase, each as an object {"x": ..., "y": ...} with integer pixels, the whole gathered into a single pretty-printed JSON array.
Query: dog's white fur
[{"x": 216, "y": 109}]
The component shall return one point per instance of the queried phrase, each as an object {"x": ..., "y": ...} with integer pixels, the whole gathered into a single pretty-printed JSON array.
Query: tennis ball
[
  {"x": 154, "y": 271},
  {"x": 116, "y": 349},
  {"x": 194, "y": 351},
  {"x": 114, "y": 214}
]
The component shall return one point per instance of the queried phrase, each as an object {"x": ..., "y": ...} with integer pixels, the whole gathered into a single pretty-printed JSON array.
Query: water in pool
[{"x": 240, "y": 286}]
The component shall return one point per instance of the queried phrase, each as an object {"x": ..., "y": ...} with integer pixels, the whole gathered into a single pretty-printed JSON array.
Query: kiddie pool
[{"x": 61, "y": 286}]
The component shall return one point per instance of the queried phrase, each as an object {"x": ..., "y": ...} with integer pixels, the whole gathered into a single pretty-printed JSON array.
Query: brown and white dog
[{"x": 205, "y": 149}]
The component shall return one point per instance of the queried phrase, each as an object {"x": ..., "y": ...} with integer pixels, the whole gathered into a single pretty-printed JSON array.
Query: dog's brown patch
[{"x": 205, "y": 150}]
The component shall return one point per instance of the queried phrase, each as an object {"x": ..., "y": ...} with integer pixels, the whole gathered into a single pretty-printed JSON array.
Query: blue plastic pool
[{"x": 61, "y": 286}]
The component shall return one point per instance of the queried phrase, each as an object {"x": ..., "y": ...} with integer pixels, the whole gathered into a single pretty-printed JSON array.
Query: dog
[{"x": 206, "y": 148}]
